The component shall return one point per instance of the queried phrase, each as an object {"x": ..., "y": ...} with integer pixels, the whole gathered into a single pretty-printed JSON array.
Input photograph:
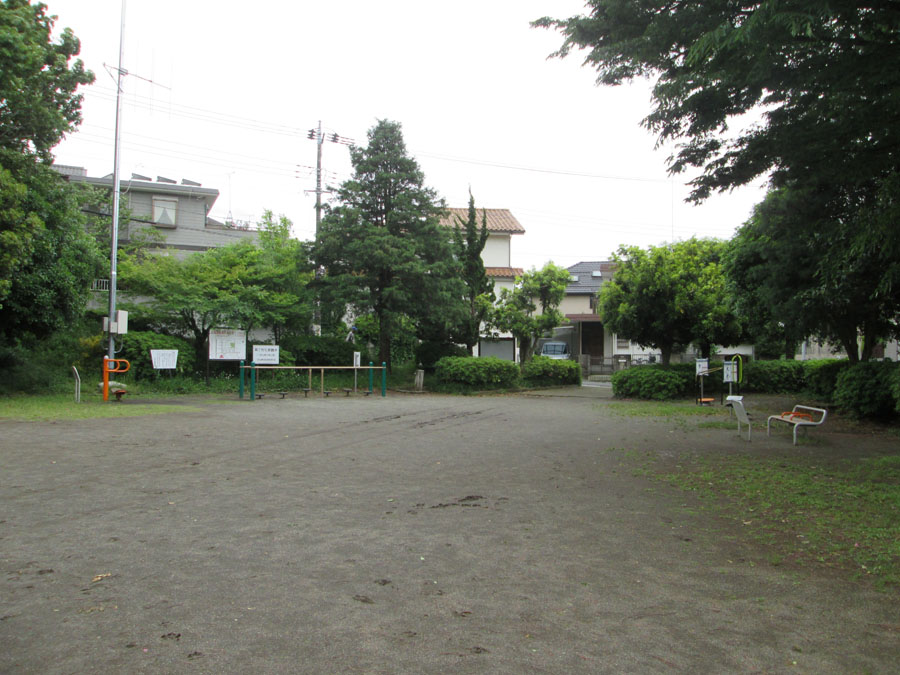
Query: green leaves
[
  {"x": 38, "y": 84},
  {"x": 823, "y": 75},
  {"x": 670, "y": 295},
  {"x": 517, "y": 309},
  {"x": 382, "y": 245}
]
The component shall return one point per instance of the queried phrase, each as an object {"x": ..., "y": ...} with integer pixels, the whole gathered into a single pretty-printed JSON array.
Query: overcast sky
[{"x": 224, "y": 92}]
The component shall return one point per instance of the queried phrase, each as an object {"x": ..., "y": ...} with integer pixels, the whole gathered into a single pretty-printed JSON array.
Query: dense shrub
[
  {"x": 543, "y": 371},
  {"x": 895, "y": 388},
  {"x": 428, "y": 353},
  {"x": 774, "y": 377},
  {"x": 650, "y": 382},
  {"x": 821, "y": 376},
  {"x": 309, "y": 350},
  {"x": 486, "y": 373},
  {"x": 687, "y": 373},
  {"x": 865, "y": 389},
  {"x": 136, "y": 346}
]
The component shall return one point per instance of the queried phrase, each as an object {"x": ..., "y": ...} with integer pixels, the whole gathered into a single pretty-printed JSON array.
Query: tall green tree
[
  {"x": 45, "y": 261},
  {"x": 797, "y": 262},
  {"x": 668, "y": 296},
  {"x": 821, "y": 74},
  {"x": 48, "y": 258},
  {"x": 531, "y": 308},
  {"x": 39, "y": 84},
  {"x": 284, "y": 267},
  {"x": 382, "y": 244},
  {"x": 468, "y": 243}
]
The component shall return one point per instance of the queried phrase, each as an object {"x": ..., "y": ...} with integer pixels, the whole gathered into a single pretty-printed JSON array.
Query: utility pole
[
  {"x": 317, "y": 136},
  {"x": 318, "y": 178},
  {"x": 320, "y": 138}
]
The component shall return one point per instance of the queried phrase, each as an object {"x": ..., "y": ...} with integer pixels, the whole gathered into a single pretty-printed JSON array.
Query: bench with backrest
[{"x": 801, "y": 416}]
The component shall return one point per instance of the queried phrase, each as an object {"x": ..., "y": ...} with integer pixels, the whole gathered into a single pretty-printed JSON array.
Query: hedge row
[
  {"x": 493, "y": 373},
  {"x": 869, "y": 389}
]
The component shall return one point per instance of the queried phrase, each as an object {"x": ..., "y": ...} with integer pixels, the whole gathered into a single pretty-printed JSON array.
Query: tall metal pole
[
  {"x": 114, "y": 236},
  {"x": 319, "y": 140}
]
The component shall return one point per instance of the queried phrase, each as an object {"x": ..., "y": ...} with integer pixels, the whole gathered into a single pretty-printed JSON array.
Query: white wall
[{"x": 496, "y": 251}]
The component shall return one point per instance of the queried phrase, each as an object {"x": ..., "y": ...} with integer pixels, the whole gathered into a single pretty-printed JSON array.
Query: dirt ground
[{"x": 407, "y": 534}]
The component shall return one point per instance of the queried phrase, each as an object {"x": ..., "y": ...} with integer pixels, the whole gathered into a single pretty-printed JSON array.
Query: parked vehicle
[{"x": 556, "y": 350}]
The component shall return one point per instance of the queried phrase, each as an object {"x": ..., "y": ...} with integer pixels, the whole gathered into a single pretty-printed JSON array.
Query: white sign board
[
  {"x": 164, "y": 359},
  {"x": 227, "y": 345},
  {"x": 357, "y": 357},
  {"x": 729, "y": 373},
  {"x": 702, "y": 366},
  {"x": 265, "y": 355}
]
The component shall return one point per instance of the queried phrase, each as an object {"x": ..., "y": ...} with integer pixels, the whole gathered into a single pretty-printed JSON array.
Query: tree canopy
[
  {"x": 382, "y": 244},
  {"x": 670, "y": 295},
  {"x": 822, "y": 75},
  {"x": 531, "y": 308},
  {"x": 800, "y": 264},
  {"x": 242, "y": 285},
  {"x": 47, "y": 261},
  {"x": 38, "y": 99}
]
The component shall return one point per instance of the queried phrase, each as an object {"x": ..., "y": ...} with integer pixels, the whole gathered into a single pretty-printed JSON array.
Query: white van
[{"x": 555, "y": 350}]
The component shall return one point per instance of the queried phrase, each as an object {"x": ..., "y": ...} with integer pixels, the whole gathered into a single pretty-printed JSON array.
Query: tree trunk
[
  {"x": 666, "y": 354},
  {"x": 848, "y": 342}
]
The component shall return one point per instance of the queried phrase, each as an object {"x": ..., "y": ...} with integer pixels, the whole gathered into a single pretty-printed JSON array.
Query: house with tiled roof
[{"x": 502, "y": 226}]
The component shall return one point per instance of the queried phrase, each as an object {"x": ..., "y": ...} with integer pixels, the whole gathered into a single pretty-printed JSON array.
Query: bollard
[
  {"x": 241, "y": 383},
  {"x": 371, "y": 375},
  {"x": 252, "y": 380},
  {"x": 383, "y": 378}
]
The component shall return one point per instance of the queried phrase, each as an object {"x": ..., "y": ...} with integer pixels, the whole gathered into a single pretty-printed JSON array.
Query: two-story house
[
  {"x": 501, "y": 226},
  {"x": 180, "y": 211}
]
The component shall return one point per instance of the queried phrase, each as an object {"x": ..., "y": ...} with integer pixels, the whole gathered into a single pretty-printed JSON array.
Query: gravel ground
[{"x": 407, "y": 534}]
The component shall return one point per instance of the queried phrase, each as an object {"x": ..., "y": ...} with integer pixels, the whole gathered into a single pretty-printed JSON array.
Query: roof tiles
[{"x": 500, "y": 221}]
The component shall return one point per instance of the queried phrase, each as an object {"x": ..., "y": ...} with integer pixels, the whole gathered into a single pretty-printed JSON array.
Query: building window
[
  {"x": 622, "y": 344},
  {"x": 165, "y": 212}
]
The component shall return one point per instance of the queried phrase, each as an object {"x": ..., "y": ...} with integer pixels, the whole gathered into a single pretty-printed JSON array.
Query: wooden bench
[
  {"x": 260, "y": 395},
  {"x": 737, "y": 404},
  {"x": 348, "y": 391},
  {"x": 327, "y": 393},
  {"x": 306, "y": 393},
  {"x": 283, "y": 394},
  {"x": 799, "y": 417},
  {"x": 119, "y": 393}
]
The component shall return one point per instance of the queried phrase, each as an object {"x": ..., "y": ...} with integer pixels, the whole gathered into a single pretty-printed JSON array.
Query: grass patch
[
  {"x": 662, "y": 409},
  {"x": 844, "y": 516},
  {"x": 63, "y": 407}
]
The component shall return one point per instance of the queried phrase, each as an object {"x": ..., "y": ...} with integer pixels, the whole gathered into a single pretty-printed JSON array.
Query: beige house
[
  {"x": 502, "y": 226},
  {"x": 179, "y": 210}
]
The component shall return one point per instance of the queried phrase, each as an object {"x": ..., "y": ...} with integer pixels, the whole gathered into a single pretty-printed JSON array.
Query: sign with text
[
  {"x": 356, "y": 359},
  {"x": 265, "y": 355},
  {"x": 729, "y": 371},
  {"x": 164, "y": 359},
  {"x": 702, "y": 366},
  {"x": 227, "y": 345}
]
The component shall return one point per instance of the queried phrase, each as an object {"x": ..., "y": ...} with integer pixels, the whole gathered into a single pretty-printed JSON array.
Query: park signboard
[
  {"x": 226, "y": 344},
  {"x": 164, "y": 359},
  {"x": 265, "y": 355}
]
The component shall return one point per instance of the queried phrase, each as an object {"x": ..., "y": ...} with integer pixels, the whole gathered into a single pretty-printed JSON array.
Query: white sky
[{"x": 238, "y": 85}]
